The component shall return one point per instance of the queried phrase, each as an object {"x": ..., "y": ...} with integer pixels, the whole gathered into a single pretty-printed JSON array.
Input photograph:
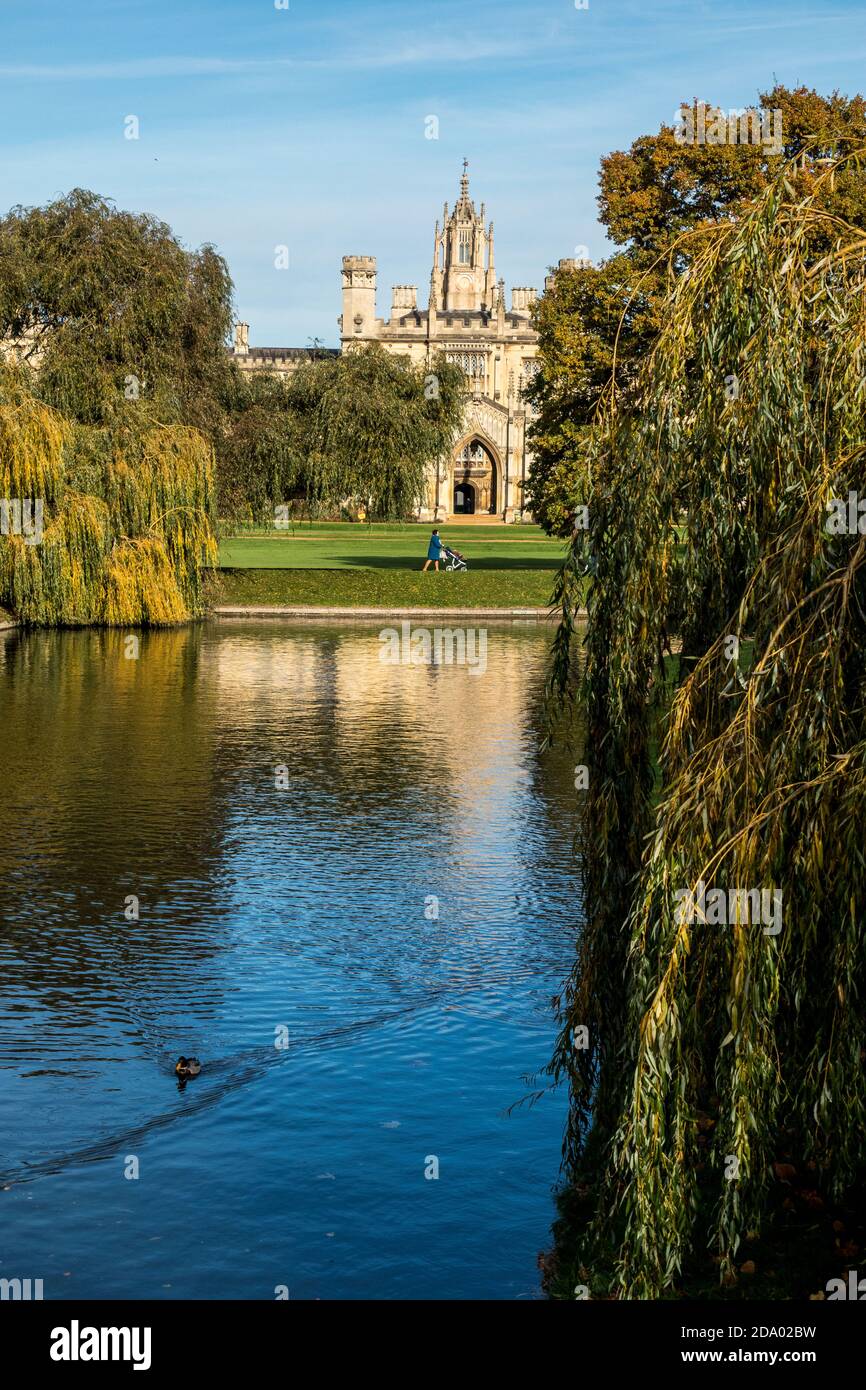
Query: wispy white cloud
[
  {"x": 408, "y": 55},
  {"x": 134, "y": 68},
  {"x": 784, "y": 22}
]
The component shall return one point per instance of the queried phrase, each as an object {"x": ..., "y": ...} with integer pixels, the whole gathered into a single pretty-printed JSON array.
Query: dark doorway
[
  {"x": 475, "y": 461},
  {"x": 464, "y": 499}
]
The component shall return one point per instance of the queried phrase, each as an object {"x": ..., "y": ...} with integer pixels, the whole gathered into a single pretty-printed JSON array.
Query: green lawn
[
  {"x": 401, "y": 548},
  {"x": 355, "y": 565}
]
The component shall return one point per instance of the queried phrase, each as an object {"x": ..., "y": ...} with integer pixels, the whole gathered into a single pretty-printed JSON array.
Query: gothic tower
[
  {"x": 359, "y": 297},
  {"x": 468, "y": 321},
  {"x": 464, "y": 275}
]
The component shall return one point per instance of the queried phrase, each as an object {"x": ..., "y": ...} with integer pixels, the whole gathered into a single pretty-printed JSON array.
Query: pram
[{"x": 455, "y": 560}]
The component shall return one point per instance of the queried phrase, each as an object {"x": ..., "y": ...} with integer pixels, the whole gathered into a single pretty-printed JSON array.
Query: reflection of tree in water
[
  {"x": 134, "y": 768},
  {"x": 554, "y": 751},
  {"x": 109, "y": 792},
  {"x": 155, "y": 777}
]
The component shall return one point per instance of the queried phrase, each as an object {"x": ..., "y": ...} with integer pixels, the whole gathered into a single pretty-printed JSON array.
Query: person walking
[{"x": 434, "y": 551}]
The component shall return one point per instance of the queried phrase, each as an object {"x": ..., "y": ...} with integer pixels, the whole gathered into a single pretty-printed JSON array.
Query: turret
[
  {"x": 403, "y": 299},
  {"x": 438, "y": 255},
  {"x": 522, "y": 300},
  {"x": 359, "y": 297},
  {"x": 567, "y": 263}
]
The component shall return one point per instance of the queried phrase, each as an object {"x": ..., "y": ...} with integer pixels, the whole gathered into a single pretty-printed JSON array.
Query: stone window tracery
[
  {"x": 472, "y": 454},
  {"x": 473, "y": 364}
]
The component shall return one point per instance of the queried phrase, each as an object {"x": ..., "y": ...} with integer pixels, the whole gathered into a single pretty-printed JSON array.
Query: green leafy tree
[
  {"x": 659, "y": 201},
  {"x": 588, "y": 321},
  {"x": 366, "y": 426},
  {"x": 118, "y": 518},
  {"x": 260, "y": 462},
  {"x": 112, "y": 309},
  {"x": 718, "y": 1045},
  {"x": 109, "y": 417}
]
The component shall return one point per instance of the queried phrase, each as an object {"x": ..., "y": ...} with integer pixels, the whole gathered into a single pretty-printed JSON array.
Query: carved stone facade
[{"x": 466, "y": 318}]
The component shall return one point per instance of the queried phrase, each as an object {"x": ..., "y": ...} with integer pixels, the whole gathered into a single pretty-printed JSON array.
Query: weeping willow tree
[
  {"x": 366, "y": 425},
  {"x": 107, "y": 302},
  {"x": 119, "y": 337},
  {"x": 704, "y": 1033},
  {"x": 118, "y": 519}
]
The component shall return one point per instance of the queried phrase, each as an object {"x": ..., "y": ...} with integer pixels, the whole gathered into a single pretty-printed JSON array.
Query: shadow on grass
[{"x": 396, "y": 562}]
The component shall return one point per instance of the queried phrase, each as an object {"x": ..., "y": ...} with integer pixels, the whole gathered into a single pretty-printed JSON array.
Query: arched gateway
[{"x": 475, "y": 477}]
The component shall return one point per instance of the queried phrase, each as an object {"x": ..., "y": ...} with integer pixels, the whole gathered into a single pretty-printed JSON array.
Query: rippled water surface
[{"x": 304, "y": 914}]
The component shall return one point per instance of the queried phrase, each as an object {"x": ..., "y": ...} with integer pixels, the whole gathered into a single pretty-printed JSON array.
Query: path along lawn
[{"x": 380, "y": 566}]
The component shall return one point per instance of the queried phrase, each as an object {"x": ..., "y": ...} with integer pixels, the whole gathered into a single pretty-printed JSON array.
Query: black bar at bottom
[{"x": 164, "y": 1339}]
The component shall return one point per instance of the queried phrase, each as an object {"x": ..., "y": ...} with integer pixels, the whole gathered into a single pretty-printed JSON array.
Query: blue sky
[{"x": 305, "y": 126}]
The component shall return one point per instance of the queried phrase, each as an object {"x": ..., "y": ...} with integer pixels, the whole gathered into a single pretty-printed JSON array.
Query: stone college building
[{"x": 467, "y": 319}]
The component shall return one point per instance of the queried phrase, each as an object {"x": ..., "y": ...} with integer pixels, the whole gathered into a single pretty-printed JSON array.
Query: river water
[{"x": 361, "y": 948}]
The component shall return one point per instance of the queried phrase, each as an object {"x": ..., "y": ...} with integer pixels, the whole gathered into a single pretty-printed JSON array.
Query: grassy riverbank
[{"x": 379, "y": 588}]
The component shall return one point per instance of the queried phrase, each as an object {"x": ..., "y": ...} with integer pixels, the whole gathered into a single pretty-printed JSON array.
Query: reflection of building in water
[
  {"x": 250, "y": 670},
  {"x": 442, "y": 725},
  {"x": 466, "y": 318}
]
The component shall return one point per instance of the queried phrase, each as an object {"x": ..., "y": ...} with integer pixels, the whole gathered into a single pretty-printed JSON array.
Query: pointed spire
[
  {"x": 490, "y": 273},
  {"x": 500, "y": 303},
  {"x": 432, "y": 310}
]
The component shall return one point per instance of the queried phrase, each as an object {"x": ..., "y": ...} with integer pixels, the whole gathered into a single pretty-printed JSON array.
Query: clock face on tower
[{"x": 465, "y": 282}]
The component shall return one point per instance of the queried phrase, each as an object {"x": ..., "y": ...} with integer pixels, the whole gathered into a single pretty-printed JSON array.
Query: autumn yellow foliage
[{"x": 128, "y": 552}]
